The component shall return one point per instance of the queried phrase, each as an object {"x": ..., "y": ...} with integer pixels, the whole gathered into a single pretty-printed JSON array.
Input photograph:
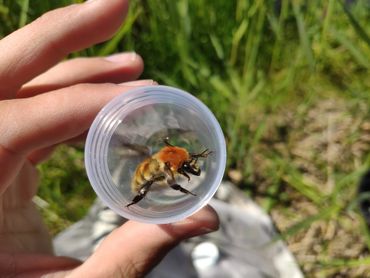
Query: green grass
[
  {"x": 279, "y": 79},
  {"x": 65, "y": 193}
]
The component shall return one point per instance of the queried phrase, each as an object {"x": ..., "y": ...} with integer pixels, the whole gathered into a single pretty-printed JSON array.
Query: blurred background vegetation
[{"x": 289, "y": 82}]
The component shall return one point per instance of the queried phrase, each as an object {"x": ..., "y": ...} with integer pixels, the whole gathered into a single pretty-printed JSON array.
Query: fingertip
[
  {"x": 63, "y": 31},
  {"x": 132, "y": 62},
  {"x": 118, "y": 5},
  {"x": 140, "y": 63},
  {"x": 212, "y": 217},
  {"x": 202, "y": 222},
  {"x": 112, "y": 13}
]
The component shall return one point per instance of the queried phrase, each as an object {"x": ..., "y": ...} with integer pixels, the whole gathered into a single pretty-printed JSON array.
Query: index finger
[{"x": 36, "y": 47}]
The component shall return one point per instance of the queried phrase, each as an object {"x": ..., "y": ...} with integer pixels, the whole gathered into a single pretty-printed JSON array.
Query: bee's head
[{"x": 191, "y": 166}]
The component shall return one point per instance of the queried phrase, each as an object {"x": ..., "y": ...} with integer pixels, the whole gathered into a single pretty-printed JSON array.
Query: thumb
[{"x": 135, "y": 248}]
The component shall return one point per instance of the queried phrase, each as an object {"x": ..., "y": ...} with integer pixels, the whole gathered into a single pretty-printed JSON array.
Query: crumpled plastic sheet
[{"x": 246, "y": 245}]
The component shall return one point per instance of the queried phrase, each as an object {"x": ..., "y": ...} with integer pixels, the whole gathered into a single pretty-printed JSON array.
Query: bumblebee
[{"x": 163, "y": 167}]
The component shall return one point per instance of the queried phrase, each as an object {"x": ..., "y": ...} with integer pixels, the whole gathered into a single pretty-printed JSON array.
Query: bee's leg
[
  {"x": 181, "y": 189},
  {"x": 182, "y": 172},
  {"x": 167, "y": 168},
  {"x": 171, "y": 180},
  {"x": 144, "y": 189},
  {"x": 142, "y": 192}
]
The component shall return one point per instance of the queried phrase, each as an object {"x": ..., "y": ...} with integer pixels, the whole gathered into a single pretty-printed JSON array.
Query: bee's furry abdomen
[{"x": 145, "y": 171}]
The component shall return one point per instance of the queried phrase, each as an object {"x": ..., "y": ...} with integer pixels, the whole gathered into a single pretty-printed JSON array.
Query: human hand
[{"x": 42, "y": 105}]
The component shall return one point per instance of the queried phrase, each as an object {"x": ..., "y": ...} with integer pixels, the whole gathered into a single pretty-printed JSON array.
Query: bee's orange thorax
[{"x": 175, "y": 156}]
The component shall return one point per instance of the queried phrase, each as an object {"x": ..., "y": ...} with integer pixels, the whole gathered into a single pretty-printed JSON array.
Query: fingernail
[
  {"x": 144, "y": 82},
  {"x": 127, "y": 57},
  {"x": 203, "y": 222}
]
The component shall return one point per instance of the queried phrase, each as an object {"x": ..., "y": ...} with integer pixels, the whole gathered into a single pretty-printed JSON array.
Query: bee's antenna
[{"x": 204, "y": 153}]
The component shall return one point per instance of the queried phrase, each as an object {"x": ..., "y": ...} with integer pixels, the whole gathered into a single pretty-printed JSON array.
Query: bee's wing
[
  {"x": 125, "y": 148},
  {"x": 139, "y": 149}
]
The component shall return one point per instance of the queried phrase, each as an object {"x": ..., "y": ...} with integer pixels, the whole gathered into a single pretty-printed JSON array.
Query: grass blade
[
  {"x": 112, "y": 45},
  {"x": 24, "y": 4},
  {"x": 303, "y": 36},
  {"x": 359, "y": 30},
  {"x": 238, "y": 35},
  {"x": 360, "y": 57}
]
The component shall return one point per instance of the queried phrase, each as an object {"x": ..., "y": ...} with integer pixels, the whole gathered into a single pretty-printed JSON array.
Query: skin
[{"x": 43, "y": 104}]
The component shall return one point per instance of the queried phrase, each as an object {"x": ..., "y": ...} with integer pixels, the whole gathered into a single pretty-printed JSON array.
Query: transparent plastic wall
[{"x": 133, "y": 127}]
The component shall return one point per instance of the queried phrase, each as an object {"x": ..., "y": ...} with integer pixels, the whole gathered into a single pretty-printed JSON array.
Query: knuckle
[
  {"x": 134, "y": 268},
  {"x": 52, "y": 15}
]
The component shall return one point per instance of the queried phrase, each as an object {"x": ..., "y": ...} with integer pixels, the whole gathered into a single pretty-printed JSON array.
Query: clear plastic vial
[{"x": 132, "y": 127}]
